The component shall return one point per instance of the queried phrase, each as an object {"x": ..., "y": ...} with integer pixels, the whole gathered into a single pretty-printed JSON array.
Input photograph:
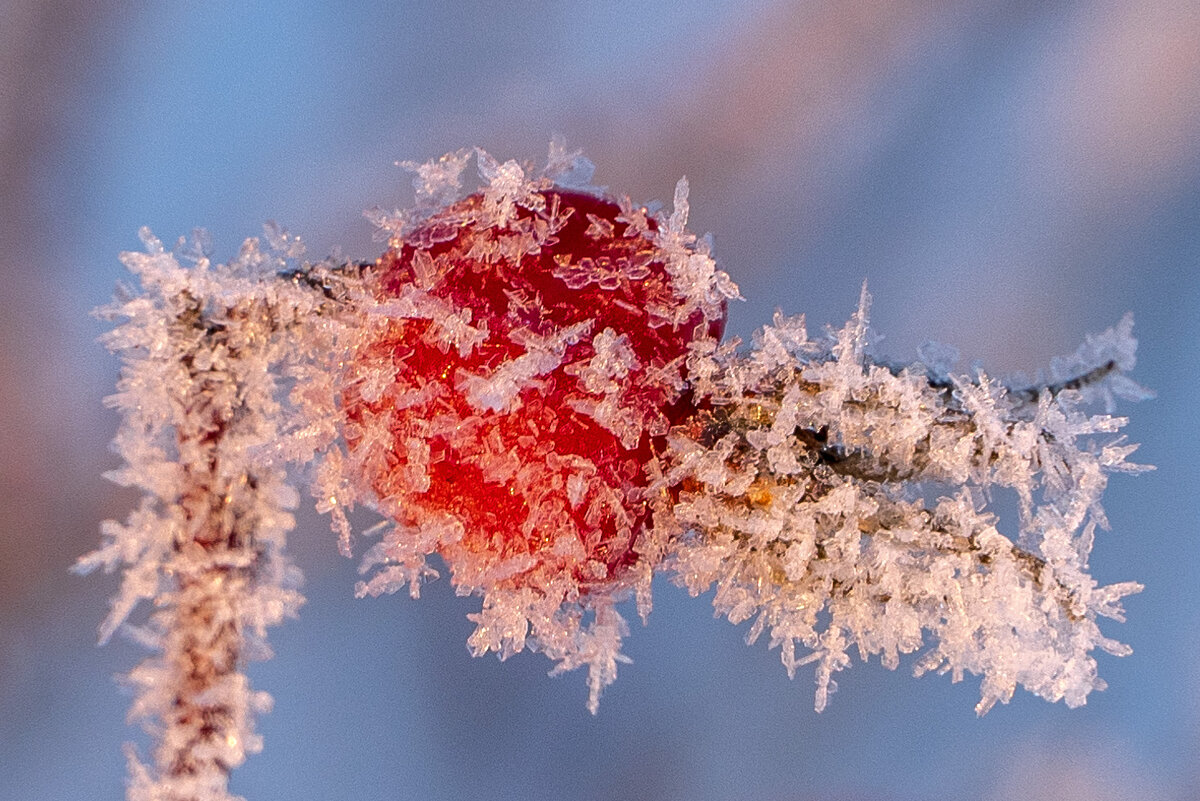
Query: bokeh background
[{"x": 1007, "y": 176}]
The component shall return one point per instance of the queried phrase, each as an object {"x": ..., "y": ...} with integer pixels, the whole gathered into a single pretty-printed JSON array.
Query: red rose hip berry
[{"x": 532, "y": 352}]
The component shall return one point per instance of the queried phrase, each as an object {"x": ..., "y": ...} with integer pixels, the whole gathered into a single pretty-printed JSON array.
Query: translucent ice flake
[
  {"x": 568, "y": 168},
  {"x": 694, "y": 275},
  {"x": 604, "y": 271},
  {"x": 506, "y": 189},
  {"x": 437, "y": 181},
  {"x": 499, "y": 391}
]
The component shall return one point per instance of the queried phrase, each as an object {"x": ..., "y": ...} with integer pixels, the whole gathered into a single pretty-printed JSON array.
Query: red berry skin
[{"x": 539, "y": 358}]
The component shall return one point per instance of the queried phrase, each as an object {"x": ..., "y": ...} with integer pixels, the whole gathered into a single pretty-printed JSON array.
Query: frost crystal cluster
[{"x": 530, "y": 386}]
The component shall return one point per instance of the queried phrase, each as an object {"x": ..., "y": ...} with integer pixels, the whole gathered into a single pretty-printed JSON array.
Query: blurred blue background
[{"x": 1007, "y": 176}]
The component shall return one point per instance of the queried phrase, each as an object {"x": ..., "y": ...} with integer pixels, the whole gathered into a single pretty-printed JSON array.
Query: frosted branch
[
  {"x": 801, "y": 498},
  {"x": 202, "y": 432}
]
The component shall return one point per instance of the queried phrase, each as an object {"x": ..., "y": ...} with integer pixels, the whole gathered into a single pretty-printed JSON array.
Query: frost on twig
[
  {"x": 202, "y": 432},
  {"x": 843, "y": 504}
]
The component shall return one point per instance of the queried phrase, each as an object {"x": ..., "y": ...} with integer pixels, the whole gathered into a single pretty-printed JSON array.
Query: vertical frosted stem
[
  {"x": 202, "y": 729},
  {"x": 215, "y": 565},
  {"x": 200, "y": 436}
]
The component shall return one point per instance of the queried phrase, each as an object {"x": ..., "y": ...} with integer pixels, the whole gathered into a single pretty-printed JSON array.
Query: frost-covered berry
[{"x": 531, "y": 360}]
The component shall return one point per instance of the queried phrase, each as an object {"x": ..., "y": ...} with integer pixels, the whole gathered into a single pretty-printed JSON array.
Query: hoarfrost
[
  {"x": 800, "y": 488},
  {"x": 206, "y": 432},
  {"x": 827, "y": 521}
]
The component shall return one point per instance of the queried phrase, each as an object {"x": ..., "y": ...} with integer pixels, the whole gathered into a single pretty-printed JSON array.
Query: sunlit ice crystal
[{"x": 527, "y": 360}]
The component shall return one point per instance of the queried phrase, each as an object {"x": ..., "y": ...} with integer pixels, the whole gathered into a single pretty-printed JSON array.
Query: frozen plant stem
[
  {"x": 203, "y": 726},
  {"x": 200, "y": 434},
  {"x": 804, "y": 499}
]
